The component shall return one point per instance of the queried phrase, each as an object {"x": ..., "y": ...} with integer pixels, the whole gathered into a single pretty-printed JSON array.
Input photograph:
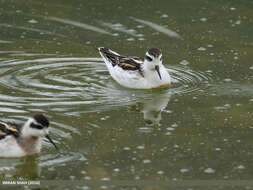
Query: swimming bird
[
  {"x": 136, "y": 72},
  {"x": 21, "y": 140}
]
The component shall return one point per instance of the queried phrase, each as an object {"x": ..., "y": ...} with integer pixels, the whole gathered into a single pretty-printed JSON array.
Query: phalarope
[
  {"x": 136, "y": 72},
  {"x": 20, "y": 140}
]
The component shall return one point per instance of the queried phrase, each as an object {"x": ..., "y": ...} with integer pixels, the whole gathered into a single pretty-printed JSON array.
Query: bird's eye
[
  {"x": 148, "y": 58},
  {"x": 36, "y": 126},
  {"x": 161, "y": 59}
]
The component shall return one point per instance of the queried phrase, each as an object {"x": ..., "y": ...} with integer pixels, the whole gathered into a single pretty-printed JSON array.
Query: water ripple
[
  {"x": 80, "y": 25},
  {"x": 186, "y": 80},
  {"x": 158, "y": 28},
  {"x": 63, "y": 83},
  {"x": 41, "y": 31}
]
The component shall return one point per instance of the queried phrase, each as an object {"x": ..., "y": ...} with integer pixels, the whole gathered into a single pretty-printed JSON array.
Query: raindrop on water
[
  {"x": 209, "y": 170},
  {"x": 202, "y": 49},
  {"x": 183, "y": 170},
  {"x": 203, "y": 19}
]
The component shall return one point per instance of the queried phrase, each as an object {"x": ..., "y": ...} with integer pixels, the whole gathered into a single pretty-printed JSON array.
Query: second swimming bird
[
  {"x": 136, "y": 72},
  {"x": 21, "y": 140}
]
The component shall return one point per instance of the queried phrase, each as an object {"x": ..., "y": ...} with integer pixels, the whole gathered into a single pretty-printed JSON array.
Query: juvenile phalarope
[
  {"x": 136, "y": 72},
  {"x": 20, "y": 140}
]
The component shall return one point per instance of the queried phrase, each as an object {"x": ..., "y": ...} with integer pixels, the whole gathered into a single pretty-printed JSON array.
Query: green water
[{"x": 195, "y": 135}]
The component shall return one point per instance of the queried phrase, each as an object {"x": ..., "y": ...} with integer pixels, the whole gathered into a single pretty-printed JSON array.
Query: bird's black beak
[
  {"x": 51, "y": 141},
  {"x": 158, "y": 71}
]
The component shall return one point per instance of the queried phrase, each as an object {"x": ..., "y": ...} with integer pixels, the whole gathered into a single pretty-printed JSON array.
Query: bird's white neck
[{"x": 30, "y": 144}]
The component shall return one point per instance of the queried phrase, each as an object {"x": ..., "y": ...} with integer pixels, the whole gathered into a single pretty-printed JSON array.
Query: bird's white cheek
[{"x": 46, "y": 131}]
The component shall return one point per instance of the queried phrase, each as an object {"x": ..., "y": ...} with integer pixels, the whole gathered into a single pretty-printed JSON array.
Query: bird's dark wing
[
  {"x": 131, "y": 63},
  {"x": 126, "y": 63},
  {"x": 110, "y": 55},
  {"x": 8, "y": 129}
]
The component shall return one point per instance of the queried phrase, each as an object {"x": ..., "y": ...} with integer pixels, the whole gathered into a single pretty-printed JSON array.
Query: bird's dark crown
[
  {"x": 40, "y": 118},
  {"x": 154, "y": 52}
]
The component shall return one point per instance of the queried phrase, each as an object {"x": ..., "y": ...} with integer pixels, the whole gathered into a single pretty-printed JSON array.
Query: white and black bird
[
  {"x": 21, "y": 140},
  {"x": 136, "y": 72}
]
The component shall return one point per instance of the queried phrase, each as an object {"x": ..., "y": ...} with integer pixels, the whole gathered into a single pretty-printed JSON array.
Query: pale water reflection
[
  {"x": 153, "y": 107},
  {"x": 158, "y": 28}
]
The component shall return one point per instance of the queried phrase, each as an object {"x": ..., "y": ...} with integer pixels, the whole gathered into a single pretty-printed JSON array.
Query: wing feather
[
  {"x": 129, "y": 63},
  {"x": 126, "y": 63},
  {"x": 8, "y": 129}
]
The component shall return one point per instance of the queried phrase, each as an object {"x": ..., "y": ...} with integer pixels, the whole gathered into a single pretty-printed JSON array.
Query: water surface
[{"x": 198, "y": 132}]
